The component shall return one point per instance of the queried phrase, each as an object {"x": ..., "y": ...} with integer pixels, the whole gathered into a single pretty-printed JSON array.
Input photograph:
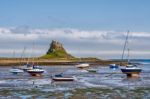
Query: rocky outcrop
[
  {"x": 56, "y": 46},
  {"x": 57, "y": 50}
]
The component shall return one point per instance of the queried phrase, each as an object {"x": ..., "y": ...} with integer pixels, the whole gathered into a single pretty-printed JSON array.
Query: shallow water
[{"x": 105, "y": 84}]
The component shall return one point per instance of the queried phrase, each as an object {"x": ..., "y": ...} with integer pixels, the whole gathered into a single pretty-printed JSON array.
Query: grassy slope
[{"x": 57, "y": 54}]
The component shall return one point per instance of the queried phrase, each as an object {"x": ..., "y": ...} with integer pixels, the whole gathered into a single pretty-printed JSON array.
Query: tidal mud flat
[
  {"x": 105, "y": 84},
  {"x": 87, "y": 93}
]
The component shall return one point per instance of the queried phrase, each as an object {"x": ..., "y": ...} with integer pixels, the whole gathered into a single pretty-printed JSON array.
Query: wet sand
[{"x": 105, "y": 84}]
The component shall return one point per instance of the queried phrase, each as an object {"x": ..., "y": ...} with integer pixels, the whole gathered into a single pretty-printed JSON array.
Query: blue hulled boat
[
  {"x": 131, "y": 69},
  {"x": 113, "y": 66}
]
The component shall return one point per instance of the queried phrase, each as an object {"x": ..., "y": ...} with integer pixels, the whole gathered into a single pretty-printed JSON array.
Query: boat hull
[
  {"x": 63, "y": 78},
  {"x": 33, "y": 73},
  {"x": 16, "y": 71},
  {"x": 82, "y": 66},
  {"x": 131, "y": 71},
  {"x": 113, "y": 67}
]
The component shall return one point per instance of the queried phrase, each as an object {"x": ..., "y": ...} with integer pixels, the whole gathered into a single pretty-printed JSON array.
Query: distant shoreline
[{"x": 50, "y": 62}]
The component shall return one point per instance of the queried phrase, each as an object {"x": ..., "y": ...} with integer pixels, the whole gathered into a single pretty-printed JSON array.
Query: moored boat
[
  {"x": 63, "y": 78},
  {"x": 131, "y": 70},
  {"x": 113, "y": 66},
  {"x": 60, "y": 77},
  {"x": 82, "y": 65},
  {"x": 35, "y": 71},
  {"x": 16, "y": 70}
]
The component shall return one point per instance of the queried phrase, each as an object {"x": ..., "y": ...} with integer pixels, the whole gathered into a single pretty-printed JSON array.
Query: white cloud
[
  {"x": 104, "y": 41},
  {"x": 75, "y": 34},
  {"x": 141, "y": 34},
  {"x": 105, "y": 54}
]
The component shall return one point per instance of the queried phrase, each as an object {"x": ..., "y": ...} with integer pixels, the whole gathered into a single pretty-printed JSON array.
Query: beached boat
[
  {"x": 131, "y": 69},
  {"x": 113, "y": 66},
  {"x": 61, "y": 77},
  {"x": 82, "y": 65},
  {"x": 16, "y": 70},
  {"x": 35, "y": 71}
]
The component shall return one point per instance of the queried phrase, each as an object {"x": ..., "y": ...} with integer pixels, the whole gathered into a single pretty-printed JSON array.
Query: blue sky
[
  {"x": 91, "y": 22},
  {"x": 84, "y": 14}
]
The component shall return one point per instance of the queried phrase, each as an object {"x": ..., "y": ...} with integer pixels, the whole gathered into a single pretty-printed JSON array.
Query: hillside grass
[{"x": 57, "y": 54}]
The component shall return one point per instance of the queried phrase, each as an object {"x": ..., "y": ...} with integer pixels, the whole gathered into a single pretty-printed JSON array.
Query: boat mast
[
  {"x": 128, "y": 55},
  {"x": 21, "y": 58},
  {"x": 13, "y": 56},
  {"x": 32, "y": 53},
  {"x": 126, "y": 41}
]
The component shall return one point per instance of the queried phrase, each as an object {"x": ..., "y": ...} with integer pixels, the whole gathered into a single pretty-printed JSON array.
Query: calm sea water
[
  {"x": 146, "y": 61},
  {"x": 105, "y": 84}
]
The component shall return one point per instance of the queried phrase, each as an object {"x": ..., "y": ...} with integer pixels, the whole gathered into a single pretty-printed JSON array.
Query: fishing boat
[
  {"x": 16, "y": 70},
  {"x": 82, "y": 65},
  {"x": 113, "y": 66},
  {"x": 35, "y": 71},
  {"x": 60, "y": 77},
  {"x": 130, "y": 69}
]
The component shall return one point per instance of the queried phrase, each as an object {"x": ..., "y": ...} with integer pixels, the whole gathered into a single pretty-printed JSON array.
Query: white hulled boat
[
  {"x": 82, "y": 65},
  {"x": 16, "y": 70},
  {"x": 61, "y": 77},
  {"x": 36, "y": 71}
]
